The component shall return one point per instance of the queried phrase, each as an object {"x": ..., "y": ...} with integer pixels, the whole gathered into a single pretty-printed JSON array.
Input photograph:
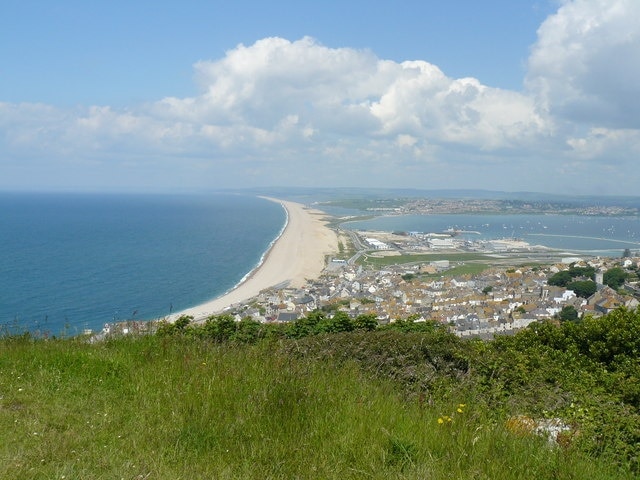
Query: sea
[{"x": 72, "y": 262}]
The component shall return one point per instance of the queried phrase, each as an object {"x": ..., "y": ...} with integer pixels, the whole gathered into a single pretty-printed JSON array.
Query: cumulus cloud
[
  {"x": 351, "y": 92},
  {"x": 585, "y": 66},
  {"x": 615, "y": 146},
  {"x": 298, "y": 112},
  {"x": 584, "y": 70},
  {"x": 283, "y": 105}
]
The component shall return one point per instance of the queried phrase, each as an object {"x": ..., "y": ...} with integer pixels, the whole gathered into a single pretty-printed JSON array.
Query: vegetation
[
  {"x": 464, "y": 269},
  {"x": 421, "y": 258},
  {"x": 568, "y": 313},
  {"x": 564, "y": 277},
  {"x": 578, "y": 279},
  {"x": 337, "y": 222},
  {"x": 244, "y": 400},
  {"x": 615, "y": 277},
  {"x": 366, "y": 204},
  {"x": 583, "y": 288}
]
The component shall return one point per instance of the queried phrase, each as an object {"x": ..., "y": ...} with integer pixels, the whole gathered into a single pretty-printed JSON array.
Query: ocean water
[
  {"x": 73, "y": 261},
  {"x": 594, "y": 235}
]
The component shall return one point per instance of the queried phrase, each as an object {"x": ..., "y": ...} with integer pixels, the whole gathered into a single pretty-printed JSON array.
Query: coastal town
[
  {"x": 500, "y": 299},
  {"x": 456, "y": 205}
]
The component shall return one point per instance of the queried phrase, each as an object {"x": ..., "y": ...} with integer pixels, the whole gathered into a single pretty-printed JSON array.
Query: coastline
[{"x": 295, "y": 256}]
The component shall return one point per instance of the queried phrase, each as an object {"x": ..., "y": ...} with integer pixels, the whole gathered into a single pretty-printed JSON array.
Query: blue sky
[{"x": 536, "y": 95}]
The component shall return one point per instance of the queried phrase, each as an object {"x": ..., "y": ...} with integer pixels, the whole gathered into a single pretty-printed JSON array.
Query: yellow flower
[
  {"x": 459, "y": 410},
  {"x": 440, "y": 421}
]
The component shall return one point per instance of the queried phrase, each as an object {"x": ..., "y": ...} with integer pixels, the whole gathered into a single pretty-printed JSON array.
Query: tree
[
  {"x": 563, "y": 278},
  {"x": 585, "y": 272},
  {"x": 247, "y": 331},
  {"x": 341, "y": 322},
  {"x": 166, "y": 328},
  {"x": 411, "y": 324},
  {"x": 308, "y": 325},
  {"x": 615, "y": 277},
  {"x": 220, "y": 328},
  {"x": 568, "y": 313},
  {"x": 583, "y": 288},
  {"x": 560, "y": 279},
  {"x": 613, "y": 340},
  {"x": 366, "y": 321},
  {"x": 183, "y": 321}
]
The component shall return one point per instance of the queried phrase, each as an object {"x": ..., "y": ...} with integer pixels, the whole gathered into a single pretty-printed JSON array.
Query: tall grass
[{"x": 176, "y": 408}]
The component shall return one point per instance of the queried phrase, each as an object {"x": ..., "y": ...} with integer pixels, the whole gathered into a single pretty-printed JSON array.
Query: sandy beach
[{"x": 298, "y": 255}]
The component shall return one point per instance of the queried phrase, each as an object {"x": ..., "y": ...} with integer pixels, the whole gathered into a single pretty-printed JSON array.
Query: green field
[
  {"x": 385, "y": 404},
  {"x": 459, "y": 270},
  {"x": 422, "y": 258}
]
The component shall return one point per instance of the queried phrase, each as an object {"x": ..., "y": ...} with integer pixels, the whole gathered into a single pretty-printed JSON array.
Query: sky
[{"x": 167, "y": 96}]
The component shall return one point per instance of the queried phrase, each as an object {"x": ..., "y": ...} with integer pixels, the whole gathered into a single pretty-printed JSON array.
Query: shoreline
[
  {"x": 265, "y": 254},
  {"x": 296, "y": 255}
]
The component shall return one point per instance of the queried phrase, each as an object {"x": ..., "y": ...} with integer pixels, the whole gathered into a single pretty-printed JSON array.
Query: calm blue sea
[
  {"x": 75, "y": 261},
  {"x": 594, "y": 235}
]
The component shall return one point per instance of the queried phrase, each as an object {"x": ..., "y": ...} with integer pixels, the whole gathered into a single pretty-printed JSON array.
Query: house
[{"x": 284, "y": 317}]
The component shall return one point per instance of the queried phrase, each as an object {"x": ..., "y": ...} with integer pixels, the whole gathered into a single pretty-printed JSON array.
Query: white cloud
[
  {"x": 618, "y": 146},
  {"x": 298, "y": 112},
  {"x": 584, "y": 70},
  {"x": 351, "y": 92},
  {"x": 277, "y": 94},
  {"x": 585, "y": 66}
]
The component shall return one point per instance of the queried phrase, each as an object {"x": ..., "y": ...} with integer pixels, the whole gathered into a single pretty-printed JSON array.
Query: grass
[
  {"x": 158, "y": 408},
  {"x": 420, "y": 258},
  {"x": 459, "y": 270}
]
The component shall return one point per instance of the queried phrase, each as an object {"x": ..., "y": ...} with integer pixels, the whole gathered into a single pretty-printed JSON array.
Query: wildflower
[{"x": 444, "y": 419}]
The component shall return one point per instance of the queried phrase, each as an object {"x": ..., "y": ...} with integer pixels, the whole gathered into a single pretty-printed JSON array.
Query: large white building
[
  {"x": 377, "y": 244},
  {"x": 441, "y": 243}
]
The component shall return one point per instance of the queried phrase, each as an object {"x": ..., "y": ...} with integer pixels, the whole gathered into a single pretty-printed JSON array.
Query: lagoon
[{"x": 592, "y": 235}]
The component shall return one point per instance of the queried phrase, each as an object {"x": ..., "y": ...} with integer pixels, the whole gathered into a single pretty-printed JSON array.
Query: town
[
  {"x": 427, "y": 206},
  {"x": 476, "y": 288}
]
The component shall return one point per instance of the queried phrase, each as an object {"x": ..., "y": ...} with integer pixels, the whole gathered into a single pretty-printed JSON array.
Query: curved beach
[{"x": 297, "y": 256}]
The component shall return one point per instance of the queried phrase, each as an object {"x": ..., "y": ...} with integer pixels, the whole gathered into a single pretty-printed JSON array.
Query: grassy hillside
[{"x": 382, "y": 404}]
